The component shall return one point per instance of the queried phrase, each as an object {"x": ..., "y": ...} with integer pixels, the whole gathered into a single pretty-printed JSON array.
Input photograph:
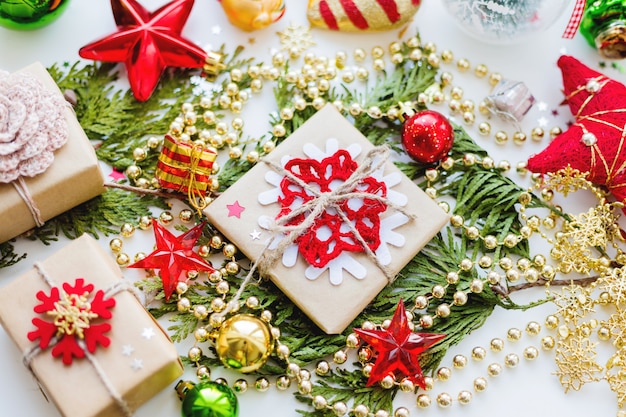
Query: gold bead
[
  {"x": 340, "y": 357},
  {"x": 438, "y": 291},
  {"x": 496, "y": 344},
  {"x": 480, "y": 384},
  {"x": 426, "y": 321},
  {"x": 511, "y": 360},
  {"x": 319, "y": 402},
  {"x": 456, "y": 220},
  {"x": 322, "y": 368},
  {"x": 200, "y": 311},
  {"x": 444, "y": 400},
  {"x": 490, "y": 241},
  {"x": 465, "y": 397},
  {"x": 447, "y": 56},
  {"x": 423, "y": 401},
  {"x": 459, "y": 298},
  {"x": 488, "y": 163},
  {"x": 201, "y": 334},
  {"x": 378, "y": 65},
  {"x": 352, "y": 341},
  {"x": 537, "y": 134},
  {"x": 443, "y": 310},
  {"x": 531, "y": 353},
  {"x": 240, "y": 386},
  {"x": 514, "y": 334},
  {"x": 484, "y": 128},
  {"x": 222, "y": 288},
  {"x": 340, "y": 408},
  {"x": 360, "y": 411},
  {"x": 387, "y": 382},
  {"x": 552, "y": 322},
  {"x": 533, "y": 328},
  {"x": 547, "y": 343},
  {"x": 421, "y": 302},
  {"x": 166, "y": 218},
  {"x": 466, "y": 264},
  {"x": 399, "y": 412},
  {"x": 195, "y": 353},
  {"x": 183, "y": 304},
  {"x": 406, "y": 385},
  {"x": 244, "y": 343},
  {"x": 262, "y": 384},
  {"x": 444, "y": 373},
  {"x": 122, "y": 259},
  {"x": 493, "y": 277},
  {"x": 266, "y": 316},
  {"x": 512, "y": 275},
  {"x": 477, "y": 286},
  {"x": 203, "y": 373},
  {"x": 429, "y": 383},
  {"x": 555, "y": 131},
  {"x": 495, "y": 78},
  {"x": 459, "y": 361},
  {"x": 235, "y": 153},
  {"x": 485, "y": 262},
  {"x": 519, "y": 138},
  {"x": 462, "y": 64},
  {"x": 481, "y": 70},
  {"x": 479, "y": 353},
  {"x": 510, "y": 240},
  {"x": 501, "y": 137},
  {"x": 494, "y": 369},
  {"x": 472, "y": 232},
  {"x": 116, "y": 244}
]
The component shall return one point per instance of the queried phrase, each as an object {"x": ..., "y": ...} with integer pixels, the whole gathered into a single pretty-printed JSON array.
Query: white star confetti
[
  {"x": 542, "y": 121},
  {"x": 542, "y": 106},
  {"x": 127, "y": 350},
  {"x": 148, "y": 333},
  {"x": 255, "y": 235},
  {"x": 216, "y": 30},
  {"x": 136, "y": 365}
]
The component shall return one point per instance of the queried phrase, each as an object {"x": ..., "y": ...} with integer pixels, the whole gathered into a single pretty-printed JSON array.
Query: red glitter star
[
  {"x": 398, "y": 349},
  {"x": 174, "y": 256},
  {"x": 147, "y": 43},
  {"x": 595, "y": 143}
]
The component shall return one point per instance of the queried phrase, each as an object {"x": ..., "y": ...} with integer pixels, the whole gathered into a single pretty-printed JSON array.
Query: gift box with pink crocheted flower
[
  {"x": 83, "y": 333},
  {"x": 329, "y": 218},
  {"x": 47, "y": 164}
]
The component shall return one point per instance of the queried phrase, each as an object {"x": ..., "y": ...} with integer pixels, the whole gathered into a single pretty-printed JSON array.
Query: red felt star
[
  {"x": 595, "y": 143},
  {"x": 174, "y": 256},
  {"x": 147, "y": 43},
  {"x": 398, "y": 349}
]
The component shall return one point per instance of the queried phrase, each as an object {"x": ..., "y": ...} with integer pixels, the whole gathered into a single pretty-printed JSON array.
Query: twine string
[
  {"x": 22, "y": 189},
  {"x": 195, "y": 196}
]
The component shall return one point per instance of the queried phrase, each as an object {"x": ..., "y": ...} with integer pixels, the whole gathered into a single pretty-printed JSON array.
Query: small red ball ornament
[{"x": 427, "y": 136}]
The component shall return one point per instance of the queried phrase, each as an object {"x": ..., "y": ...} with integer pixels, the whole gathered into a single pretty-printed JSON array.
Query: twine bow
[{"x": 194, "y": 192}]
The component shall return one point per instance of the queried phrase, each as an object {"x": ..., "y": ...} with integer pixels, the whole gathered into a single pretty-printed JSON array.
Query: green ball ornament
[
  {"x": 30, "y": 14},
  {"x": 210, "y": 399}
]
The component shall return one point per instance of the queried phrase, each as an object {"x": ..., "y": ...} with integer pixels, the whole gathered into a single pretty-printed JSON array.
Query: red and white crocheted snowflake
[
  {"x": 71, "y": 326},
  {"x": 329, "y": 243}
]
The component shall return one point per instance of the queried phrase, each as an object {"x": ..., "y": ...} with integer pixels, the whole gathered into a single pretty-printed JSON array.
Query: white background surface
[{"x": 529, "y": 389}]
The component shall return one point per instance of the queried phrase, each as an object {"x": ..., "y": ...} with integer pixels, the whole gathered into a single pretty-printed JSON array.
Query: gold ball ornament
[
  {"x": 244, "y": 342},
  {"x": 366, "y": 16},
  {"x": 252, "y": 15}
]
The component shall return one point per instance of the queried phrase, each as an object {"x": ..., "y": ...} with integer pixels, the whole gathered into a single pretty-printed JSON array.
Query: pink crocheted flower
[{"x": 32, "y": 126}]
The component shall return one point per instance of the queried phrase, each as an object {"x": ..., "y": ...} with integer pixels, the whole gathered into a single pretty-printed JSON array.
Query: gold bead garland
[{"x": 313, "y": 83}]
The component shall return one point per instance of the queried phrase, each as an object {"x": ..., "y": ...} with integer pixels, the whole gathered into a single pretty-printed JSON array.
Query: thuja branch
[{"x": 583, "y": 282}]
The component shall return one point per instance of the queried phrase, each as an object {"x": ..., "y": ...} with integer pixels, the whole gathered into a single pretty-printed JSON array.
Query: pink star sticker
[
  {"x": 117, "y": 175},
  {"x": 235, "y": 209}
]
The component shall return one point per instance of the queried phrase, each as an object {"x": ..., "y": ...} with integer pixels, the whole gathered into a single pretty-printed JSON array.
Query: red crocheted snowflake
[
  {"x": 71, "y": 316},
  {"x": 329, "y": 235}
]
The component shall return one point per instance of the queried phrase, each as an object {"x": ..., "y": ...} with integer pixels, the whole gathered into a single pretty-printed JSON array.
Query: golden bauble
[{"x": 244, "y": 343}]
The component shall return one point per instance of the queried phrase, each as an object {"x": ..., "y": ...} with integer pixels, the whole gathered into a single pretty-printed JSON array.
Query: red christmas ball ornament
[{"x": 427, "y": 136}]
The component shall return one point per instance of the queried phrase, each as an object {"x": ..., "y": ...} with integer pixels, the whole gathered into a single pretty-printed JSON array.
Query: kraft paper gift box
[
  {"x": 140, "y": 361},
  {"x": 332, "y": 294},
  {"x": 73, "y": 178}
]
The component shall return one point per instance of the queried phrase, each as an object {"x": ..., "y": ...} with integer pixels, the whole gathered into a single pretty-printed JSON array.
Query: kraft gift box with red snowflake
[{"x": 329, "y": 217}]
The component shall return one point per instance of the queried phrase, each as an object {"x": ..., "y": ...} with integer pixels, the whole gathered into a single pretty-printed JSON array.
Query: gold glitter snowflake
[
  {"x": 614, "y": 284},
  {"x": 296, "y": 39},
  {"x": 573, "y": 302},
  {"x": 617, "y": 382},
  {"x": 576, "y": 360},
  {"x": 567, "y": 180}
]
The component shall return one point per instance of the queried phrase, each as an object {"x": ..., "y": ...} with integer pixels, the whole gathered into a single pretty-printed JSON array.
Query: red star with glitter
[
  {"x": 147, "y": 43},
  {"x": 596, "y": 142},
  {"x": 398, "y": 349},
  {"x": 174, "y": 256}
]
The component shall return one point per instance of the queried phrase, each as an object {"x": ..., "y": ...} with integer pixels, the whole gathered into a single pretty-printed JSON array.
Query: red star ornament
[
  {"x": 398, "y": 349},
  {"x": 147, "y": 43},
  {"x": 595, "y": 143},
  {"x": 174, "y": 256}
]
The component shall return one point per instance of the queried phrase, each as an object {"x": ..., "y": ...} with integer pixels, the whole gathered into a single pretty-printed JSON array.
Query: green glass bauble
[
  {"x": 603, "y": 25},
  {"x": 210, "y": 399},
  {"x": 30, "y": 14}
]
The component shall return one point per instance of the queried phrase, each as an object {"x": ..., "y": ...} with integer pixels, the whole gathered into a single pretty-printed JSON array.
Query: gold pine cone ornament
[
  {"x": 361, "y": 15},
  {"x": 252, "y": 15}
]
